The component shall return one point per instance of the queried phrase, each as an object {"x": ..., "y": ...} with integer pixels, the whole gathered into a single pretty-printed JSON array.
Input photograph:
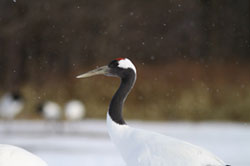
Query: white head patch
[{"x": 126, "y": 63}]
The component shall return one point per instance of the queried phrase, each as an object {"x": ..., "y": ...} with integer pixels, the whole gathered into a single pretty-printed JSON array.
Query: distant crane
[
  {"x": 52, "y": 113},
  {"x": 139, "y": 147},
  {"x": 50, "y": 110},
  {"x": 11, "y": 104},
  {"x": 74, "y": 110}
]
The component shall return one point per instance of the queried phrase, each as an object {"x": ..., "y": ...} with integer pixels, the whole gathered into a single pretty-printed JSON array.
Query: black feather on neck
[{"x": 116, "y": 104}]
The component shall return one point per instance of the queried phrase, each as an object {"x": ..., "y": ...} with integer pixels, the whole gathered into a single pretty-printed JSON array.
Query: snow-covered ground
[{"x": 87, "y": 143}]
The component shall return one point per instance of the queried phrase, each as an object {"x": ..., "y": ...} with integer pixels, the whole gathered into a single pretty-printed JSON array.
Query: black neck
[{"x": 116, "y": 104}]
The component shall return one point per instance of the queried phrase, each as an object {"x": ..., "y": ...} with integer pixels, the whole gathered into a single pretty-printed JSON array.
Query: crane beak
[{"x": 104, "y": 70}]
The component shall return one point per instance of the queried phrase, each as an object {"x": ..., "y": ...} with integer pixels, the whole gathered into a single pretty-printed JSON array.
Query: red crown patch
[{"x": 118, "y": 59}]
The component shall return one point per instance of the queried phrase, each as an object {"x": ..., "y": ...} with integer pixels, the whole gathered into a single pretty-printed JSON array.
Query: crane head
[{"x": 119, "y": 67}]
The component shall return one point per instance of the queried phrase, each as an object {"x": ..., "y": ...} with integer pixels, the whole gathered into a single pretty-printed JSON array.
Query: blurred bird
[
  {"x": 11, "y": 104},
  {"x": 15, "y": 156},
  {"x": 74, "y": 110},
  {"x": 50, "y": 110}
]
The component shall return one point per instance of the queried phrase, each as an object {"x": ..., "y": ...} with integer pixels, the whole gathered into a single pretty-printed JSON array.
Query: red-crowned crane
[{"x": 140, "y": 147}]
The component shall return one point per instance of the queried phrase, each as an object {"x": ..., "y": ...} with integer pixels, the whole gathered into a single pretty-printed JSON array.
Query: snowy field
[{"x": 87, "y": 143}]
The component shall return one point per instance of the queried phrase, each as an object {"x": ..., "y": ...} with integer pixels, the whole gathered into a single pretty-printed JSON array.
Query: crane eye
[{"x": 113, "y": 64}]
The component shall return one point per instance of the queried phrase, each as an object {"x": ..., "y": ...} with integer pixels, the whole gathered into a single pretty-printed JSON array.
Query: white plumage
[
  {"x": 74, "y": 110},
  {"x": 125, "y": 63},
  {"x": 15, "y": 156},
  {"x": 144, "y": 148},
  {"x": 10, "y": 105},
  {"x": 50, "y": 110}
]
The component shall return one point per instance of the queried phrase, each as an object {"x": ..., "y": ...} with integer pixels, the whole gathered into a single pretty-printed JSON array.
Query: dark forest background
[{"x": 193, "y": 57}]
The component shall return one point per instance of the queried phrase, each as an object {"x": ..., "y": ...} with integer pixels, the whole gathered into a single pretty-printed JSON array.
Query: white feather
[
  {"x": 143, "y": 148},
  {"x": 15, "y": 156},
  {"x": 126, "y": 63}
]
